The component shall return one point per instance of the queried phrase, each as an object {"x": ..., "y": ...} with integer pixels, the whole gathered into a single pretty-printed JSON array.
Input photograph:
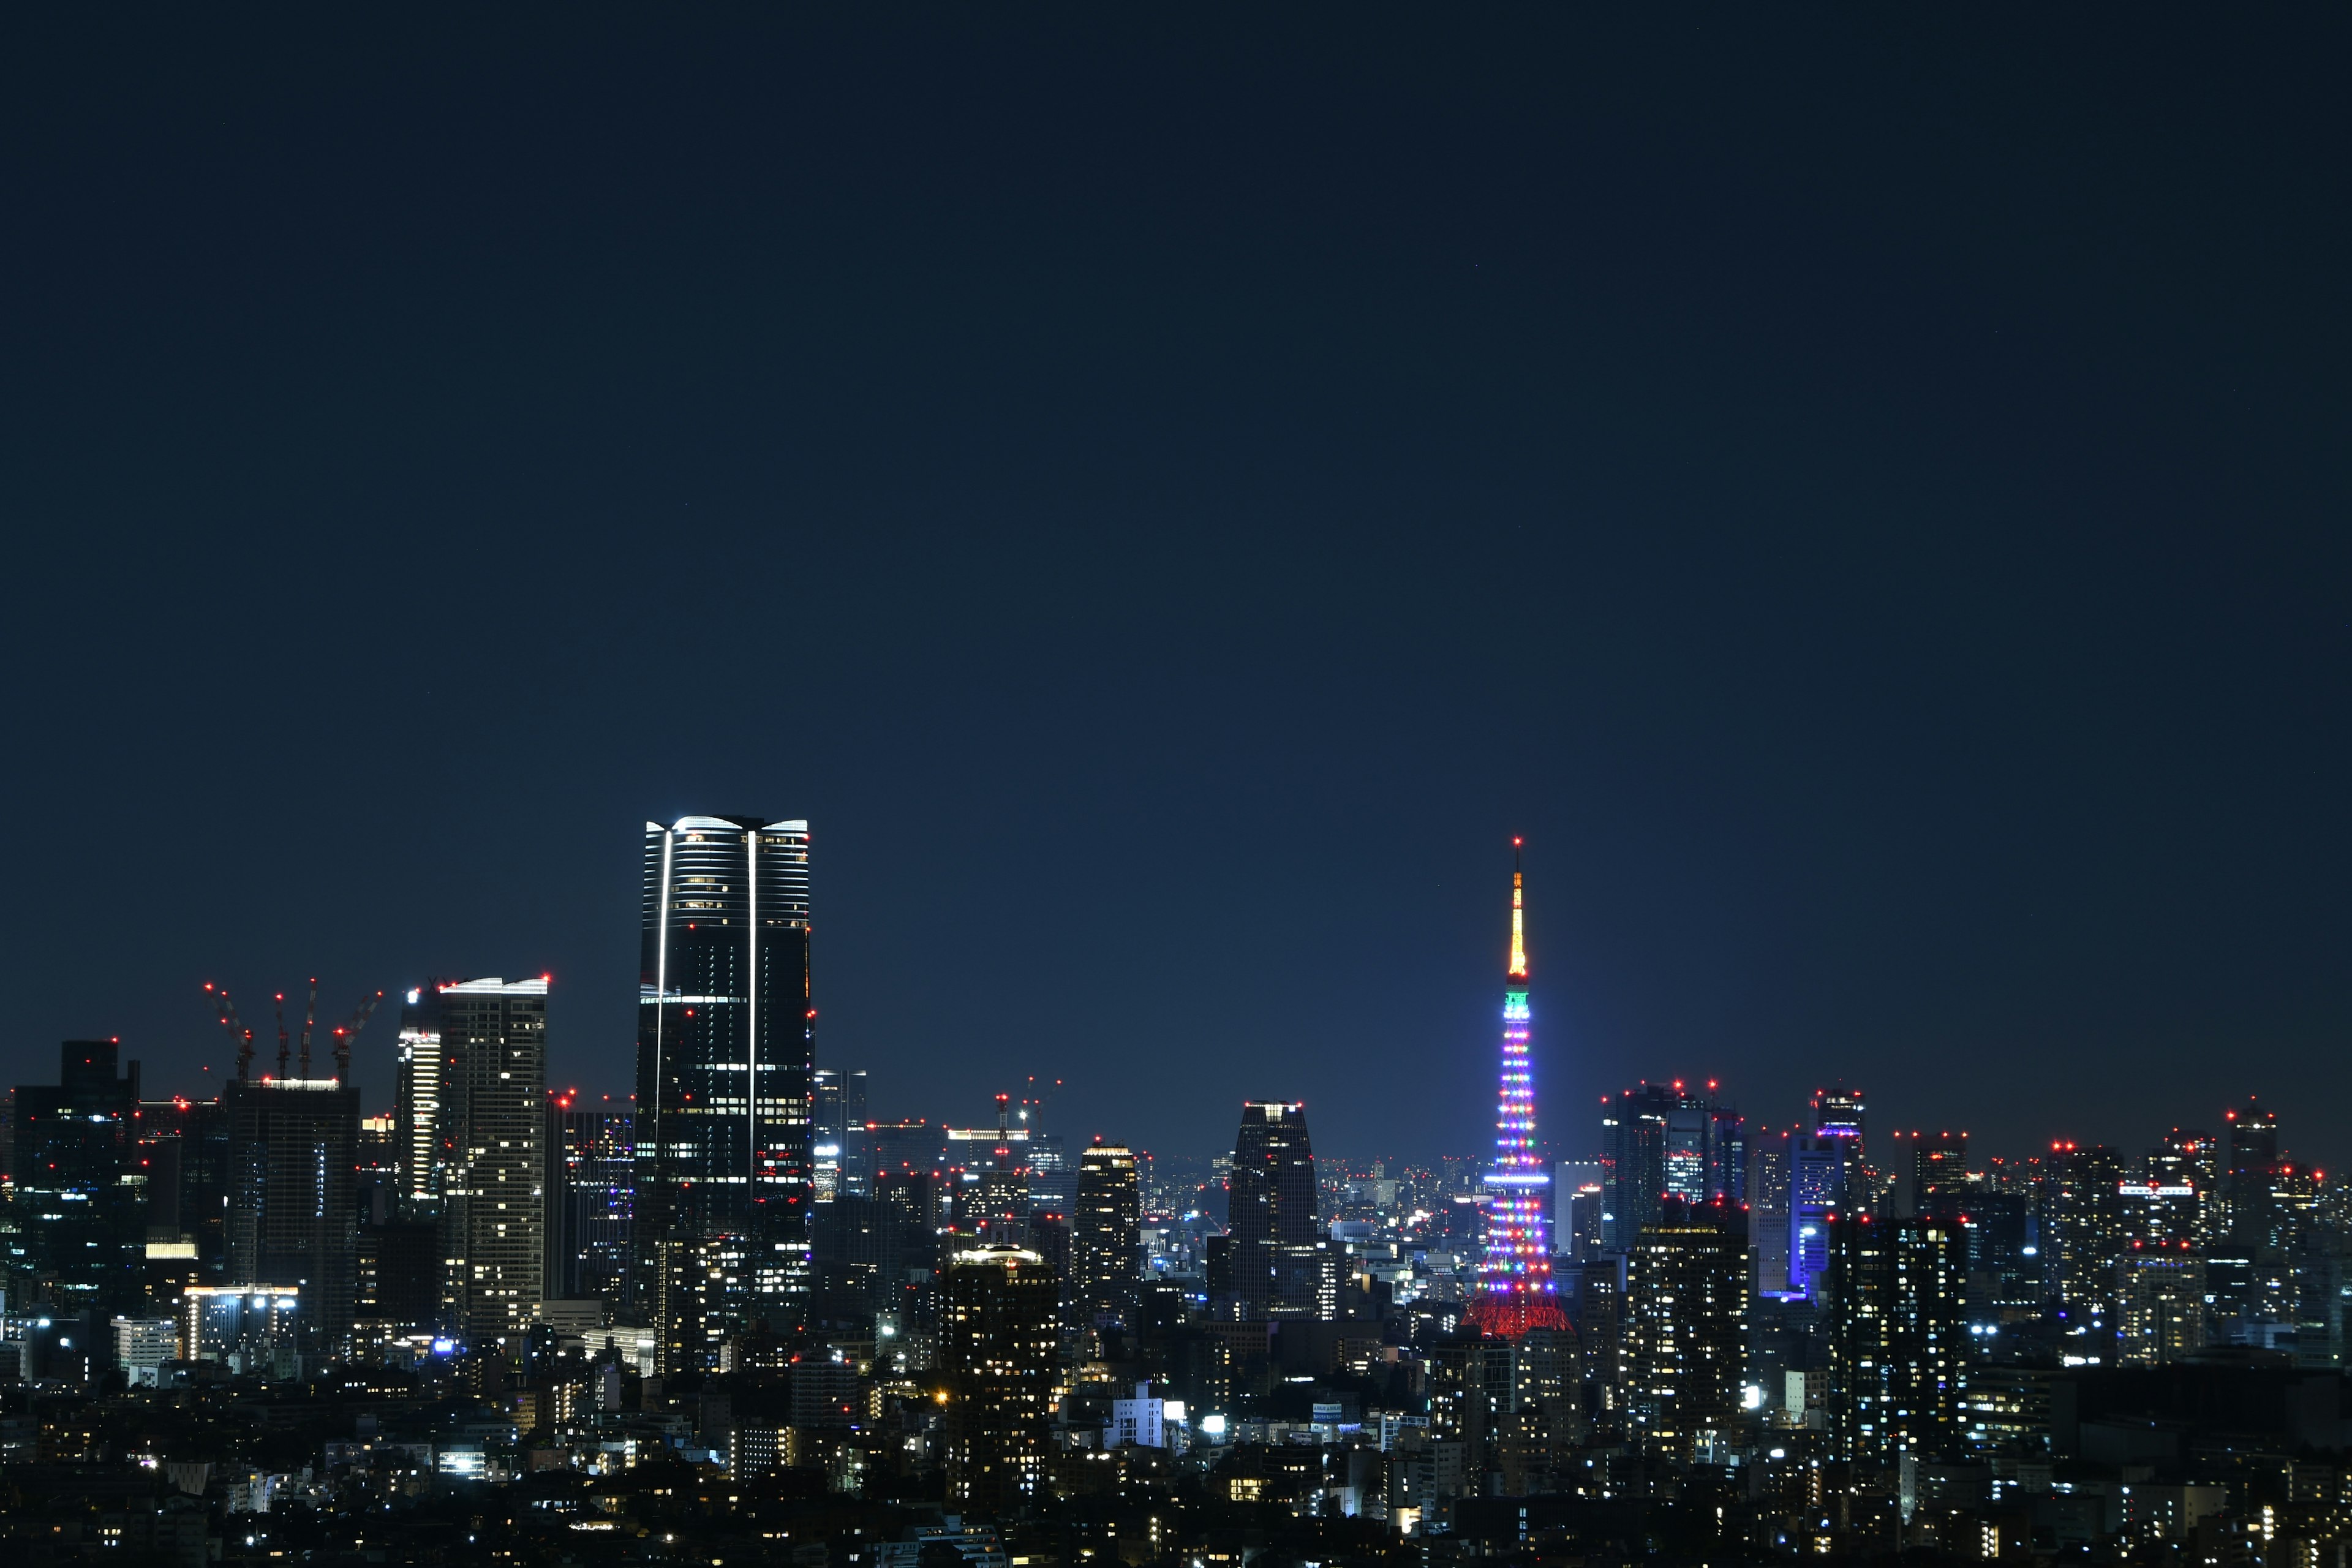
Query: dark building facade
[
  {"x": 999, "y": 1346},
  {"x": 292, "y": 1211},
  {"x": 1685, "y": 1335},
  {"x": 1897, "y": 1328},
  {"x": 81, "y": 1190},
  {"x": 1664, "y": 1140},
  {"x": 1272, "y": 1220},
  {"x": 725, "y": 1053},
  {"x": 1105, "y": 1234},
  {"x": 592, "y": 1188}
]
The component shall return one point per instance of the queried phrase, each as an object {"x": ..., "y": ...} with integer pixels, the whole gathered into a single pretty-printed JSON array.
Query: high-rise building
[
  {"x": 2159, "y": 1304},
  {"x": 1663, "y": 1141},
  {"x": 591, "y": 1189},
  {"x": 1817, "y": 1164},
  {"x": 493, "y": 1111},
  {"x": 1106, "y": 1238},
  {"x": 1686, "y": 1332},
  {"x": 2188, "y": 1158},
  {"x": 80, "y": 1189},
  {"x": 726, "y": 1037},
  {"x": 1514, "y": 1290},
  {"x": 1270, "y": 1205},
  {"x": 2083, "y": 1226},
  {"x": 1939, "y": 1169},
  {"x": 421, "y": 1150},
  {"x": 1839, "y": 1113},
  {"x": 1897, "y": 1326},
  {"x": 292, "y": 1203},
  {"x": 2250, "y": 1159},
  {"x": 999, "y": 1336},
  {"x": 186, "y": 1141},
  {"x": 838, "y": 1156}
]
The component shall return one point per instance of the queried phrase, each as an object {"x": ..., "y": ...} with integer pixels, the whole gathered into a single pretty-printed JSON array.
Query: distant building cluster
[{"x": 736, "y": 1315}]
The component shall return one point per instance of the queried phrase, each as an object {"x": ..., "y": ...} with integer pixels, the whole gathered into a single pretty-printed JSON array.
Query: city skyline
[{"x": 1582, "y": 1137}]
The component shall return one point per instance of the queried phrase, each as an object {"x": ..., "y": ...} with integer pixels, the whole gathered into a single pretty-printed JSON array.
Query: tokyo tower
[{"x": 1514, "y": 1284}]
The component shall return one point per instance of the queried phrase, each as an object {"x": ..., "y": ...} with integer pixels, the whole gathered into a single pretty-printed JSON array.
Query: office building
[
  {"x": 185, "y": 1143},
  {"x": 1685, "y": 1328},
  {"x": 1897, "y": 1332},
  {"x": 293, "y": 1213},
  {"x": 1665, "y": 1140},
  {"x": 80, "y": 1190},
  {"x": 1271, "y": 1205},
  {"x": 999, "y": 1343},
  {"x": 839, "y": 1159},
  {"x": 1817, "y": 1164},
  {"x": 2083, "y": 1226},
  {"x": 487, "y": 1186},
  {"x": 1105, "y": 1236},
  {"x": 2251, "y": 1159},
  {"x": 1515, "y": 1291},
  {"x": 1939, "y": 1171},
  {"x": 912, "y": 1145},
  {"x": 1052, "y": 1175},
  {"x": 2159, "y": 1304},
  {"x": 2157, "y": 1211},
  {"x": 726, "y": 1037},
  {"x": 592, "y": 1187}
]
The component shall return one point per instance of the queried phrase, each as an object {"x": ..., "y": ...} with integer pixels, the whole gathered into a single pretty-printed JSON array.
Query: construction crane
[
  {"x": 310, "y": 1020},
  {"x": 344, "y": 1035},
  {"x": 236, "y": 1030},
  {"x": 348, "y": 1031}
]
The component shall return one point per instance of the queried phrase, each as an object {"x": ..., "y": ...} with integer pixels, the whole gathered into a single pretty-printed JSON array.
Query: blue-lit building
[{"x": 82, "y": 1190}]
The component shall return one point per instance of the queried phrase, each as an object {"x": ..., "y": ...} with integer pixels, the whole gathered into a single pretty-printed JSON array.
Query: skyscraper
[
  {"x": 1270, "y": 1209},
  {"x": 998, "y": 1334},
  {"x": 420, "y": 1153},
  {"x": 1515, "y": 1283},
  {"x": 78, "y": 1180},
  {"x": 1898, "y": 1320},
  {"x": 493, "y": 1204},
  {"x": 725, "y": 1049},
  {"x": 837, "y": 1151},
  {"x": 1686, "y": 1326},
  {"x": 592, "y": 1192},
  {"x": 1664, "y": 1140},
  {"x": 292, "y": 1211},
  {"x": 1105, "y": 1244}
]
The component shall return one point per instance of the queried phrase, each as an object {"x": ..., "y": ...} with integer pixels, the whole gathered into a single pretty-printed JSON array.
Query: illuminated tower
[{"x": 1515, "y": 1285}]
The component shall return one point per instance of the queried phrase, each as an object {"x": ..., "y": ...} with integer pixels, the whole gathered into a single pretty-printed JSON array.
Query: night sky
[{"x": 1168, "y": 496}]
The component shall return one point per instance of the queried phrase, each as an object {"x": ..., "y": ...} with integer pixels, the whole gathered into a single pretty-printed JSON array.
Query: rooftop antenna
[{"x": 281, "y": 1034}]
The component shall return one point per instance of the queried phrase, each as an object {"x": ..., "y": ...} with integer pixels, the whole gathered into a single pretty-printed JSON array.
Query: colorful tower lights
[{"x": 1515, "y": 1283}]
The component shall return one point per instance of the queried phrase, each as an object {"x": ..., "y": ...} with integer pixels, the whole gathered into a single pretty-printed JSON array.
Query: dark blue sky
[{"x": 1168, "y": 497}]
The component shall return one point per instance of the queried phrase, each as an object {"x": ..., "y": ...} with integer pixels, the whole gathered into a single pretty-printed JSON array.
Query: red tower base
[{"x": 1509, "y": 1314}]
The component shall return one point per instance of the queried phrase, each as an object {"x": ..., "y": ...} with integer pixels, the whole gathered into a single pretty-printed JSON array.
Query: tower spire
[{"x": 1519, "y": 919}]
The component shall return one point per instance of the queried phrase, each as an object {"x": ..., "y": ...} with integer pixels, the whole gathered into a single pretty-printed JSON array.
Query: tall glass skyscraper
[
  {"x": 1272, "y": 1222},
  {"x": 725, "y": 1048}
]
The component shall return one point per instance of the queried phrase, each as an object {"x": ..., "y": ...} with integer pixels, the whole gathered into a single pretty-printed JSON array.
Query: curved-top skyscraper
[
  {"x": 725, "y": 1046},
  {"x": 1515, "y": 1283}
]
